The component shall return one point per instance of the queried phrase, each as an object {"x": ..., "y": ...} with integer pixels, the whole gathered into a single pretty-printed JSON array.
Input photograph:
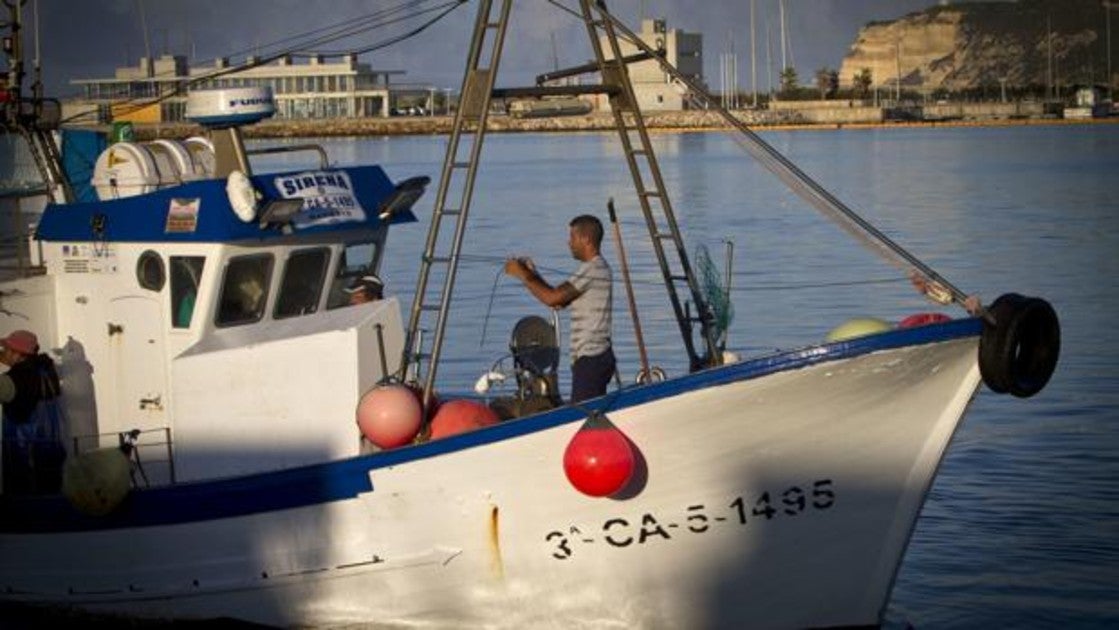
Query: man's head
[
  {"x": 365, "y": 288},
  {"x": 586, "y": 237},
  {"x": 17, "y": 346}
]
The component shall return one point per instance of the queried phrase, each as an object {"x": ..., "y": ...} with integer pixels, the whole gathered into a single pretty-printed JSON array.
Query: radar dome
[{"x": 229, "y": 107}]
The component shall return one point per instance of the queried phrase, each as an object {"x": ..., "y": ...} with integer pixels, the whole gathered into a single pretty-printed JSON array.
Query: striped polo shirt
[{"x": 590, "y": 312}]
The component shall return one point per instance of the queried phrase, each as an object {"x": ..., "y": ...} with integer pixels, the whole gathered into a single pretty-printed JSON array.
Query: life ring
[{"x": 1018, "y": 353}]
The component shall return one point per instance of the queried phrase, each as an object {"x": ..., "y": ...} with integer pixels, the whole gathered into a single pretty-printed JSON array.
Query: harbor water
[{"x": 1021, "y": 528}]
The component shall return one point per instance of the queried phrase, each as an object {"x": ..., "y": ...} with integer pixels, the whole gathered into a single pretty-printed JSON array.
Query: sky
[{"x": 90, "y": 38}]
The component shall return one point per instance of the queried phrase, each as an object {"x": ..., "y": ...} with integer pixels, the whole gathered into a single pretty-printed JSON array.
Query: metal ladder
[
  {"x": 456, "y": 185},
  {"x": 460, "y": 166},
  {"x": 48, "y": 159},
  {"x": 651, "y": 194}
]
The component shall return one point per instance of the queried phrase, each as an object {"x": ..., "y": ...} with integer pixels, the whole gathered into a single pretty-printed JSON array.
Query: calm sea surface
[{"x": 1022, "y": 526}]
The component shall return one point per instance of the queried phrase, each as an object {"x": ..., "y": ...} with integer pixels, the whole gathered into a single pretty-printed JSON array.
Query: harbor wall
[{"x": 804, "y": 116}]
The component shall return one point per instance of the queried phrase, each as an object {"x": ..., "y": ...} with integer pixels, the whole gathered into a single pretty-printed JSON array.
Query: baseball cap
[
  {"x": 368, "y": 282},
  {"x": 22, "y": 341}
]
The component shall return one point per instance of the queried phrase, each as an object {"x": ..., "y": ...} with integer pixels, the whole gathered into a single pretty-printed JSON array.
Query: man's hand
[{"x": 520, "y": 268}]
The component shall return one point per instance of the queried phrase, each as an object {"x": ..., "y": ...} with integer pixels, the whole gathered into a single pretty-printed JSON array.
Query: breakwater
[{"x": 656, "y": 121}]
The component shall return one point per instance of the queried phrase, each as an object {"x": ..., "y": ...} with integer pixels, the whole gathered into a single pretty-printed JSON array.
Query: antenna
[{"x": 37, "y": 84}]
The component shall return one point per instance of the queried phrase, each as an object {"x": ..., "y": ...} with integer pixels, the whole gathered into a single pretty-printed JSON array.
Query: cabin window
[
  {"x": 149, "y": 271},
  {"x": 186, "y": 272},
  {"x": 355, "y": 261},
  {"x": 304, "y": 273},
  {"x": 244, "y": 290}
]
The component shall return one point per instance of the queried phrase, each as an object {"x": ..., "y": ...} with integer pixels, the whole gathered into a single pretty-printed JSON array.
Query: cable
[{"x": 133, "y": 105}]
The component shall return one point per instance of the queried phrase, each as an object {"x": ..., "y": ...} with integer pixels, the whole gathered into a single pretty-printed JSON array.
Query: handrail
[{"x": 324, "y": 162}]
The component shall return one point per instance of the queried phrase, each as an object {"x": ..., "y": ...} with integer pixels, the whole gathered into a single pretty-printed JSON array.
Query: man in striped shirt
[{"x": 589, "y": 294}]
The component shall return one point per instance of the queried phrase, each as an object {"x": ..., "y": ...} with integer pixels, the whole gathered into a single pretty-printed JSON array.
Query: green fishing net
[{"x": 714, "y": 292}]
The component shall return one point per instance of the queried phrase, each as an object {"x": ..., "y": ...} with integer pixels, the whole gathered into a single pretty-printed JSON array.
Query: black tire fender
[{"x": 1019, "y": 352}]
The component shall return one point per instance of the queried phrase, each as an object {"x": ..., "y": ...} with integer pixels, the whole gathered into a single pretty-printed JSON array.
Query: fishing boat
[{"x": 244, "y": 443}]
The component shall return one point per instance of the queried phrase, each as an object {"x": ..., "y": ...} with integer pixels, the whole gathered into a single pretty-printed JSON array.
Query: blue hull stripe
[{"x": 345, "y": 479}]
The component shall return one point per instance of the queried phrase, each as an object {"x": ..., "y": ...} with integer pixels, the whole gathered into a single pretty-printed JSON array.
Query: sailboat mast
[
  {"x": 784, "y": 47},
  {"x": 753, "y": 55}
]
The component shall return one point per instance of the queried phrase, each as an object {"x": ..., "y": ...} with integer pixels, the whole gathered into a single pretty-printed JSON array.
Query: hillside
[{"x": 972, "y": 45}]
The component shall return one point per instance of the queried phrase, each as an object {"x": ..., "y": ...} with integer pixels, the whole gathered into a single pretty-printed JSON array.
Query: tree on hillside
[
  {"x": 789, "y": 81},
  {"x": 862, "y": 82},
  {"x": 827, "y": 82}
]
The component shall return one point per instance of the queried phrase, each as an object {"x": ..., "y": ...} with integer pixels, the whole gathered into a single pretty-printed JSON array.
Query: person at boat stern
[
  {"x": 588, "y": 295},
  {"x": 33, "y": 451}
]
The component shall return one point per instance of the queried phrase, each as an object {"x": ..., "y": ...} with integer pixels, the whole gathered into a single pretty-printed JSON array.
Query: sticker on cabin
[
  {"x": 182, "y": 216},
  {"x": 328, "y": 198},
  {"x": 89, "y": 258}
]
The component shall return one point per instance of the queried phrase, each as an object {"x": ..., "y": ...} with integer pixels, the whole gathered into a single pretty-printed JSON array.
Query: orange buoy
[
  {"x": 389, "y": 415},
  {"x": 599, "y": 460},
  {"x": 460, "y": 416},
  {"x": 923, "y": 319}
]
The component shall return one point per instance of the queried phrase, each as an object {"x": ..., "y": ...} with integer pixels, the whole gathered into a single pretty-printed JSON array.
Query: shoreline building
[
  {"x": 155, "y": 90},
  {"x": 652, "y": 86}
]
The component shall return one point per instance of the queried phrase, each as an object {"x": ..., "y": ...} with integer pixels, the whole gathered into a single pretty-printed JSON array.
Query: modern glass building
[{"x": 155, "y": 90}]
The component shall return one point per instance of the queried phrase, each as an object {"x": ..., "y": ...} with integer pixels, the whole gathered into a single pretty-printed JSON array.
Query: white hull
[{"x": 484, "y": 528}]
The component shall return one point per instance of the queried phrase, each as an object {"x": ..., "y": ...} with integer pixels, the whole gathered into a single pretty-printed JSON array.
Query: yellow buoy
[
  {"x": 97, "y": 481},
  {"x": 858, "y": 327}
]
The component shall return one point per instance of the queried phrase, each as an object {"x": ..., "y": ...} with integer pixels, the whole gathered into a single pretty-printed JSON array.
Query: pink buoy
[
  {"x": 599, "y": 460},
  {"x": 460, "y": 416},
  {"x": 389, "y": 415},
  {"x": 923, "y": 319}
]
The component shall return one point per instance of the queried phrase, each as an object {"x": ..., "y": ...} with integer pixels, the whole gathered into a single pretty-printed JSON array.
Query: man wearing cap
[
  {"x": 366, "y": 288},
  {"x": 589, "y": 294},
  {"x": 31, "y": 378}
]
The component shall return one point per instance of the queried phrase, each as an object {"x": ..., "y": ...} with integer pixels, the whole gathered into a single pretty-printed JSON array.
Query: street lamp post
[{"x": 1110, "y": 77}]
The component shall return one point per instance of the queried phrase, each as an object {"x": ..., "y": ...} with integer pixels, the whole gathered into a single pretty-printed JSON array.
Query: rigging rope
[
  {"x": 349, "y": 29},
  {"x": 797, "y": 181},
  {"x": 735, "y": 289}
]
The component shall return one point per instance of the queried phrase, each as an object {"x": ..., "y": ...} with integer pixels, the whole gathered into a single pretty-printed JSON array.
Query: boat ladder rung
[
  {"x": 450, "y": 212},
  {"x": 434, "y": 308},
  {"x": 439, "y": 259}
]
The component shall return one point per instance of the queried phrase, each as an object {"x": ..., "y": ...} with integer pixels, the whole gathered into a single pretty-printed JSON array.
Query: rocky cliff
[{"x": 978, "y": 44}]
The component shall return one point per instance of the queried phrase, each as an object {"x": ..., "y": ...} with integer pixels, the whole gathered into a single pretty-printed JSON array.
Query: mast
[
  {"x": 753, "y": 56},
  {"x": 1049, "y": 56},
  {"x": 28, "y": 117},
  {"x": 784, "y": 34},
  {"x": 897, "y": 71}
]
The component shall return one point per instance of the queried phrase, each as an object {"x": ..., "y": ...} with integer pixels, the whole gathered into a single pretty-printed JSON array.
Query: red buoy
[
  {"x": 460, "y": 416},
  {"x": 923, "y": 319},
  {"x": 599, "y": 460},
  {"x": 389, "y": 415}
]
